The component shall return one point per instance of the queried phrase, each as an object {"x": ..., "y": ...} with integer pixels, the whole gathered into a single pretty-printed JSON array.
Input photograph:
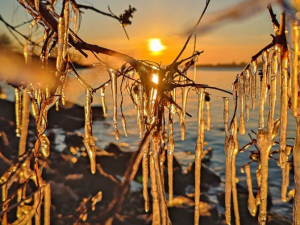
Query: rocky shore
[{"x": 72, "y": 184}]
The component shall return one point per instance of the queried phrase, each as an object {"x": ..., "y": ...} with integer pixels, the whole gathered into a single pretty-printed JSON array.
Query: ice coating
[{"x": 198, "y": 152}]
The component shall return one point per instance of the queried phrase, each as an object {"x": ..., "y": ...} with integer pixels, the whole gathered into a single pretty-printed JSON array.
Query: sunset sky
[{"x": 169, "y": 21}]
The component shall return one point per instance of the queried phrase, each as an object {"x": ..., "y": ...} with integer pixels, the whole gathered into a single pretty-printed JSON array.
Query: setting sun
[{"x": 155, "y": 45}]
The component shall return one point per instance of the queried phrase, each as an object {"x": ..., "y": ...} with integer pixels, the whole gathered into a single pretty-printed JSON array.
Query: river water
[{"x": 184, "y": 150}]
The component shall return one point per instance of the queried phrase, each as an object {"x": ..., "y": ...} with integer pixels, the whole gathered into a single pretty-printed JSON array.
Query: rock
[
  {"x": 116, "y": 164},
  {"x": 277, "y": 219},
  {"x": 180, "y": 181},
  {"x": 7, "y": 110},
  {"x": 4, "y": 165},
  {"x": 182, "y": 214},
  {"x": 207, "y": 175},
  {"x": 245, "y": 216},
  {"x": 74, "y": 140},
  {"x": 71, "y": 116}
]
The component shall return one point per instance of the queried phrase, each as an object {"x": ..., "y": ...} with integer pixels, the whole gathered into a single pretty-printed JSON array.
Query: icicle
[
  {"x": 170, "y": 158},
  {"x": 228, "y": 177},
  {"x": 141, "y": 110},
  {"x": 247, "y": 93},
  {"x": 25, "y": 52},
  {"x": 97, "y": 198},
  {"x": 47, "y": 204},
  {"x": 156, "y": 206},
  {"x": 228, "y": 149},
  {"x": 88, "y": 135},
  {"x": 261, "y": 122},
  {"x": 18, "y": 111},
  {"x": 283, "y": 110},
  {"x": 241, "y": 95},
  {"x": 146, "y": 175},
  {"x": 37, "y": 208},
  {"x": 252, "y": 207},
  {"x": 60, "y": 43},
  {"x": 76, "y": 14},
  {"x": 207, "y": 102},
  {"x": 63, "y": 97},
  {"x": 57, "y": 105},
  {"x": 198, "y": 153},
  {"x": 161, "y": 191},
  {"x": 66, "y": 27},
  {"x": 253, "y": 69},
  {"x": 295, "y": 70},
  {"x": 37, "y": 5},
  {"x": 274, "y": 69},
  {"x": 285, "y": 182},
  {"x": 47, "y": 92},
  {"x": 296, "y": 158},
  {"x": 45, "y": 145},
  {"x": 171, "y": 147},
  {"x": 156, "y": 143},
  {"x": 153, "y": 99},
  {"x": 258, "y": 178},
  {"x": 264, "y": 146},
  {"x": 139, "y": 107},
  {"x": 233, "y": 179},
  {"x": 25, "y": 122},
  {"x": 124, "y": 125},
  {"x": 113, "y": 79},
  {"x": 185, "y": 93},
  {"x": 226, "y": 115},
  {"x": 102, "y": 93},
  {"x": 195, "y": 68},
  {"x": 4, "y": 206}
]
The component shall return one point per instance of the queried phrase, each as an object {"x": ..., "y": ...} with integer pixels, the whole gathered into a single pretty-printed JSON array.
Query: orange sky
[{"x": 169, "y": 21}]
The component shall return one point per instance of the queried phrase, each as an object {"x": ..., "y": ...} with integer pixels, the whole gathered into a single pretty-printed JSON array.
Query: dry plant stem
[
  {"x": 198, "y": 153},
  {"x": 145, "y": 176},
  {"x": 295, "y": 69},
  {"x": 241, "y": 95},
  {"x": 113, "y": 78},
  {"x": 161, "y": 200},
  {"x": 233, "y": 179},
  {"x": 47, "y": 204},
  {"x": 228, "y": 148},
  {"x": 156, "y": 206},
  {"x": 88, "y": 134},
  {"x": 228, "y": 182},
  {"x": 283, "y": 109},
  {"x": 18, "y": 111},
  {"x": 171, "y": 147},
  {"x": 252, "y": 207},
  {"x": 264, "y": 145},
  {"x": 163, "y": 206},
  {"x": 296, "y": 155},
  {"x": 5, "y": 205}
]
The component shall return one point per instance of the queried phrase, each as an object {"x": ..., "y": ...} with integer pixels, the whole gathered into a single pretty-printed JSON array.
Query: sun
[{"x": 155, "y": 45}]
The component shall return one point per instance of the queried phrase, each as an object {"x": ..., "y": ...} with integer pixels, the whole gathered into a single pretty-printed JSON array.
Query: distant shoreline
[{"x": 225, "y": 65}]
